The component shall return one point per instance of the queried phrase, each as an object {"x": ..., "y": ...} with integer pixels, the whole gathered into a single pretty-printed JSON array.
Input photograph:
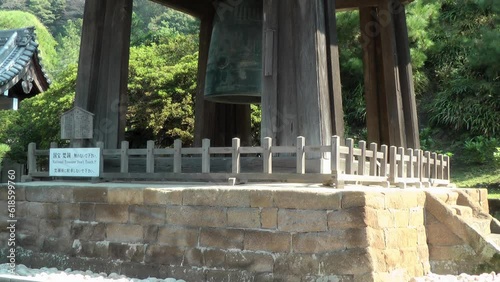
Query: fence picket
[
  {"x": 362, "y": 158},
  {"x": 236, "y": 155},
  {"x": 177, "y": 156},
  {"x": 300, "y": 155},
  {"x": 150, "y": 158},
  {"x": 267, "y": 157},
  {"x": 349, "y": 162},
  {"x": 124, "y": 157},
  {"x": 205, "y": 156},
  {"x": 373, "y": 159}
]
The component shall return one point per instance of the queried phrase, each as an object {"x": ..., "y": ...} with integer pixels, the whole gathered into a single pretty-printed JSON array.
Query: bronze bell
[{"x": 234, "y": 69}]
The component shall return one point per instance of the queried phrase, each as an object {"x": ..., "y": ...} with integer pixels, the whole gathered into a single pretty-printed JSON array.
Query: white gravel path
[
  {"x": 52, "y": 274},
  {"x": 485, "y": 277}
]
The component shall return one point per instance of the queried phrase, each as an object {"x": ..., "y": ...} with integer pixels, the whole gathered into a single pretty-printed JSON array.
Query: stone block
[
  {"x": 267, "y": 241},
  {"x": 261, "y": 199},
  {"x": 352, "y": 199},
  {"x": 249, "y": 261},
  {"x": 400, "y": 199},
  {"x": 69, "y": 211},
  {"x": 57, "y": 245},
  {"x": 416, "y": 217},
  {"x": 216, "y": 198},
  {"x": 182, "y": 272},
  {"x": 401, "y": 217},
  {"x": 55, "y": 228},
  {"x": 357, "y": 217},
  {"x": 167, "y": 255},
  {"x": 196, "y": 216},
  {"x": 307, "y": 200},
  {"x": 146, "y": 215},
  {"x": 440, "y": 235},
  {"x": 49, "y": 195},
  {"x": 302, "y": 220},
  {"x": 87, "y": 212},
  {"x": 178, "y": 236},
  {"x": 139, "y": 270},
  {"x": 153, "y": 196},
  {"x": 222, "y": 238},
  {"x": 356, "y": 262},
  {"x": 451, "y": 253},
  {"x": 331, "y": 241},
  {"x": 214, "y": 258},
  {"x": 111, "y": 213},
  {"x": 193, "y": 257},
  {"x": 295, "y": 264},
  {"x": 93, "y": 249},
  {"x": 401, "y": 237},
  {"x": 43, "y": 210},
  {"x": 243, "y": 217},
  {"x": 90, "y": 195},
  {"x": 376, "y": 238},
  {"x": 150, "y": 234},
  {"x": 88, "y": 231},
  {"x": 21, "y": 208},
  {"x": 126, "y": 252},
  {"x": 125, "y": 233},
  {"x": 125, "y": 196},
  {"x": 269, "y": 218},
  {"x": 227, "y": 276}
]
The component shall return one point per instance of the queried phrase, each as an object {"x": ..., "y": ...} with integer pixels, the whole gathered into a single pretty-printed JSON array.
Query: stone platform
[{"x": 267, "y": 232}]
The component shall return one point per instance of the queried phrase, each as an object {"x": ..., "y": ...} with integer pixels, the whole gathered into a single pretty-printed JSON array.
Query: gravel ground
[{"x": 52, "y": 274}]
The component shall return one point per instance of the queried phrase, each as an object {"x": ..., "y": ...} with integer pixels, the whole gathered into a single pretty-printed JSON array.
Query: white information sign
[{"x": 79, "y": 162}]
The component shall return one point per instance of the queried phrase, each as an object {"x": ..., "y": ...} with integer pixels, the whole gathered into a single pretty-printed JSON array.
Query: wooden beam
[
  {"x": 406, "y": 77},
  {"x": 334, "y": 84}
]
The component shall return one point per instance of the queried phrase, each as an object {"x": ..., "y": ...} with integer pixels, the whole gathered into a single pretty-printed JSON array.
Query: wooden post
[
  {"x": 447, "y": 170},
  {"x": 401, "y": 163},
  {"x": 177, "y": 156},
  {"x": 103, "y": 67},
  {"x": 124, "y": 157},
  {"x": 384, "y": 161},
  {"x": 349, "y": 162},
  {"x": 406, "y": 76},
  {"x": 267, "y": 156},
  {"x": 31, "y": 158},
  {"x": 418, "y": 168},
  {"x": 410, "y": 169},
  {"x": 100, "y": 145},
  {"x": 427, "y": 166},
  {"x": 236, "y": 156},
  {"x": 435, "y": 165},
  {"x": 150, "y": 157},
  {"x": 362, "y": 158},
  {"x": 205, "y": 156},
  {"x": 373, "y": 159},
  {"x": 335, "y": 166},
  {"x": 332, "y": 52},
  {"x": 393, "y": 172},
  {"x": 300, "y": 155},
  {"x": 269, "y": 121},
  {"x": 440, "y": 167},
  {"x": 391, "y": 75}
]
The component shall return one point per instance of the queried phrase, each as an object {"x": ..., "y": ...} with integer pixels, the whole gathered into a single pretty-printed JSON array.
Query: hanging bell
[{"x": 234, "y": 68}]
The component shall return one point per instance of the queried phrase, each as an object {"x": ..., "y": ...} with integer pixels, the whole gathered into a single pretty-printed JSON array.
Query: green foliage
[
  {"x": 162, "y": 86},
  {"x": 38, "y": 118},
  {"x": 68, "y": 48},
  {"x": 255, "y": 117},
  {"x": 480, "y": 150},
  {"x": 18, "y": 19}
]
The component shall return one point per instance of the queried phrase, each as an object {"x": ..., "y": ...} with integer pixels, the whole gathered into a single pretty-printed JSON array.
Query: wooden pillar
[
  {"x": 269, "y": 99},
  {"x": 368, "y": 37},
  {"x": 217, "y": 122},
  {"x": 391, "y": 75},
  {"x": 406, "y": 76},
  {"x": 103, "y": 67},
  {"x": 335, "y": 87}
]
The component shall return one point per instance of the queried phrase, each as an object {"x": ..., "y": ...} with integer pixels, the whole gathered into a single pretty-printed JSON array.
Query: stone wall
[{"x": 203, "y": 233}]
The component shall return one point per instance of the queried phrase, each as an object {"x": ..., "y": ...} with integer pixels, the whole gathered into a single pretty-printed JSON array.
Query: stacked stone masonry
[{"x": 248, "y": 233}]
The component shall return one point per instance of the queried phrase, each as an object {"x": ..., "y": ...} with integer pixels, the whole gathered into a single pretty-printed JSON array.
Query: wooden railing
[{"x": 349, "y": 163}]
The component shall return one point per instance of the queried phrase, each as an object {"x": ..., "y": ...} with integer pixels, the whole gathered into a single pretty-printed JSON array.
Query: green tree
[
  {"x": 68, "y": 49},
  {"x": 19, "y": 19}
]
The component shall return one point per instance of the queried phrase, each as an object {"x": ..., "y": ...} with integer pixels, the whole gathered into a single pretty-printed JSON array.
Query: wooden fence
[{"x": 349, "y": 163}]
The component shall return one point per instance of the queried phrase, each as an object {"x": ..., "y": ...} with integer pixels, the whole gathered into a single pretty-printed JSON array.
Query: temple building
[{"x": 21, "y": 73}]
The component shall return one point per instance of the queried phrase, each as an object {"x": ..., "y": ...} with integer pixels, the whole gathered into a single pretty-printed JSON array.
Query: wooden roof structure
[{"x": 21, "y": 72}]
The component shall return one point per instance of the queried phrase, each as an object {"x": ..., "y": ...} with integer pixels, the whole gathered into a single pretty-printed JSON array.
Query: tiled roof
[{"x": 19, "y": 59}]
